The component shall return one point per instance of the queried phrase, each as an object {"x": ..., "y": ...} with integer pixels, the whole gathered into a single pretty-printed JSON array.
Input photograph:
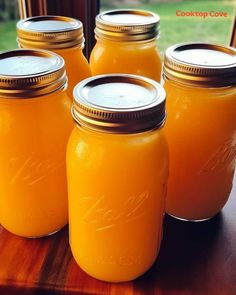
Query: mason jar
[
  {"x": 200, "y": 81},
  {"x": 127, "y": 43},
  {"x": 62, "y": 35},
  {"x": 35, "y": 124},
  {"x": 117, "y": 168}
]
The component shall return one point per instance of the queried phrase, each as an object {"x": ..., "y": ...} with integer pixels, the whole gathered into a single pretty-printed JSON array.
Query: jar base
[
  {"x": 191, "y": 220},
  {"x": 47, "y": 235},
  {"x": 119, "y": 279},
  {"x": 36, "y": 237}
]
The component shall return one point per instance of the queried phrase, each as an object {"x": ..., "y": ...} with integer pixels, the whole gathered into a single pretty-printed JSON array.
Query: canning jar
[
  {"x": 117, "y": 168},
  {"x": 62, "y": 35},
  {"x": 200, "y": 84},
  {"x": 127, "y": 43},
  {"x": 35, "y": 124}
]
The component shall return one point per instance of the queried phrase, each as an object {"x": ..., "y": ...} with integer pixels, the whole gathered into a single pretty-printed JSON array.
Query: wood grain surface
[{"x": 195, "y": 258}]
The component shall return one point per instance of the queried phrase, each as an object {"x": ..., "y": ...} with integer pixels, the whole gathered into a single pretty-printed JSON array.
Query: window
[
  {"x": 186, "y": 20},
  {"x": 181, "y": 20}
]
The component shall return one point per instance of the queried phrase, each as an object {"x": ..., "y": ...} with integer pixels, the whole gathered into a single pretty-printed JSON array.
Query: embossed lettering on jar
[
  {"x": 35, "y": 123},
  {"x": 62, "y": 35},
  {"x": 126, "y": 43},
  {"x": 201, "y": 128},
  {"x": 117, "y": 166}
]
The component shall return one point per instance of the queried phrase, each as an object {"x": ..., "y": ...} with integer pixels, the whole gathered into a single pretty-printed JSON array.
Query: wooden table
[{"x": 195, "y": 258}]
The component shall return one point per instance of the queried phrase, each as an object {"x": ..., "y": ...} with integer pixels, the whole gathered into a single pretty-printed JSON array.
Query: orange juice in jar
[
  {"x": 117, "y": 168},
  {"x": 35, "y": 124},
  {"x": 126, "y": 43},
  {"x": 64, "y": 36},
  {"x": 200, "y": 84}
]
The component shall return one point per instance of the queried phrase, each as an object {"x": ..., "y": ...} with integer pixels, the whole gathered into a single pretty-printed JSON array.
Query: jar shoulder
[{"x": 118, "y": 145}]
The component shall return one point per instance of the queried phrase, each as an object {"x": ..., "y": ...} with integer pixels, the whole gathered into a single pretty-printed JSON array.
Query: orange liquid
[
  {"x": 140, "y": 58},
  {"x": 201, "y": 132},
  {"x": 116, "y": 201},
  {"x": 77, "y": 67},
  {"x": 33, "y": 190}
]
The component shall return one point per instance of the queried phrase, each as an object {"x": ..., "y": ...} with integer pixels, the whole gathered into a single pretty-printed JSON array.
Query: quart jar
[
  {"x": 200, "y": 84},
  {"x": 35, "y": 124},
  {"x": 62, "y": 35},
  {"x": 126, "y": 43},
  {"x": 117, "y": 168}
]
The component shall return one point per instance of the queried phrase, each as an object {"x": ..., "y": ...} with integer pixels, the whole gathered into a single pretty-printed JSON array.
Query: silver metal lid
[
  {"x": 50, "y": 32},
  {"x": 202, "y": 64},
  {"x": 127, "y": 25},
  {"x": 119, "y": 103},
  {"x": 26, "y": 73}
]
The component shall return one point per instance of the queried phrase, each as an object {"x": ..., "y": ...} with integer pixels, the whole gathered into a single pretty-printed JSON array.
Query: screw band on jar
[
  {"x": 201, "y": 64},
  {"x": 50, "y": 32},
  {"x": 26, "y": 73},
  {"x": 119, "y": 103},
  {"x": 127, "y": 25}
]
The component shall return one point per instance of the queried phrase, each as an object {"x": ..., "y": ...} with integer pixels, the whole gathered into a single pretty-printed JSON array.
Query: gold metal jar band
[
  {"x": 127, "y": 25},
  {"x": 201, "y": 64},
  {"x": 50, "y": 32},
  {"x": 119, "y": 103},
  {"x": 27, "y": 73}
]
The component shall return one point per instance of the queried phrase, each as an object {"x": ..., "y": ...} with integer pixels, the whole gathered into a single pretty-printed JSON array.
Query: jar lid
[
  {"x": 28, "y": 73},
  {"x": 201, "y": 64},
  {"x": 127, "y": 25},
  {"x": 119, "y": 103},
  {"x": 50, "y": 32}
]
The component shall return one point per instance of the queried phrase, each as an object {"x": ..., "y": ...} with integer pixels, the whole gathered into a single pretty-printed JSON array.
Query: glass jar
[
  {"x": 62, "y": 35},
  {"x": 35, "y": 124},
  {"x": 126, "y": 43},
  {"x": 200, "y": 84},
  {"x": 117, "y": 168}
]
